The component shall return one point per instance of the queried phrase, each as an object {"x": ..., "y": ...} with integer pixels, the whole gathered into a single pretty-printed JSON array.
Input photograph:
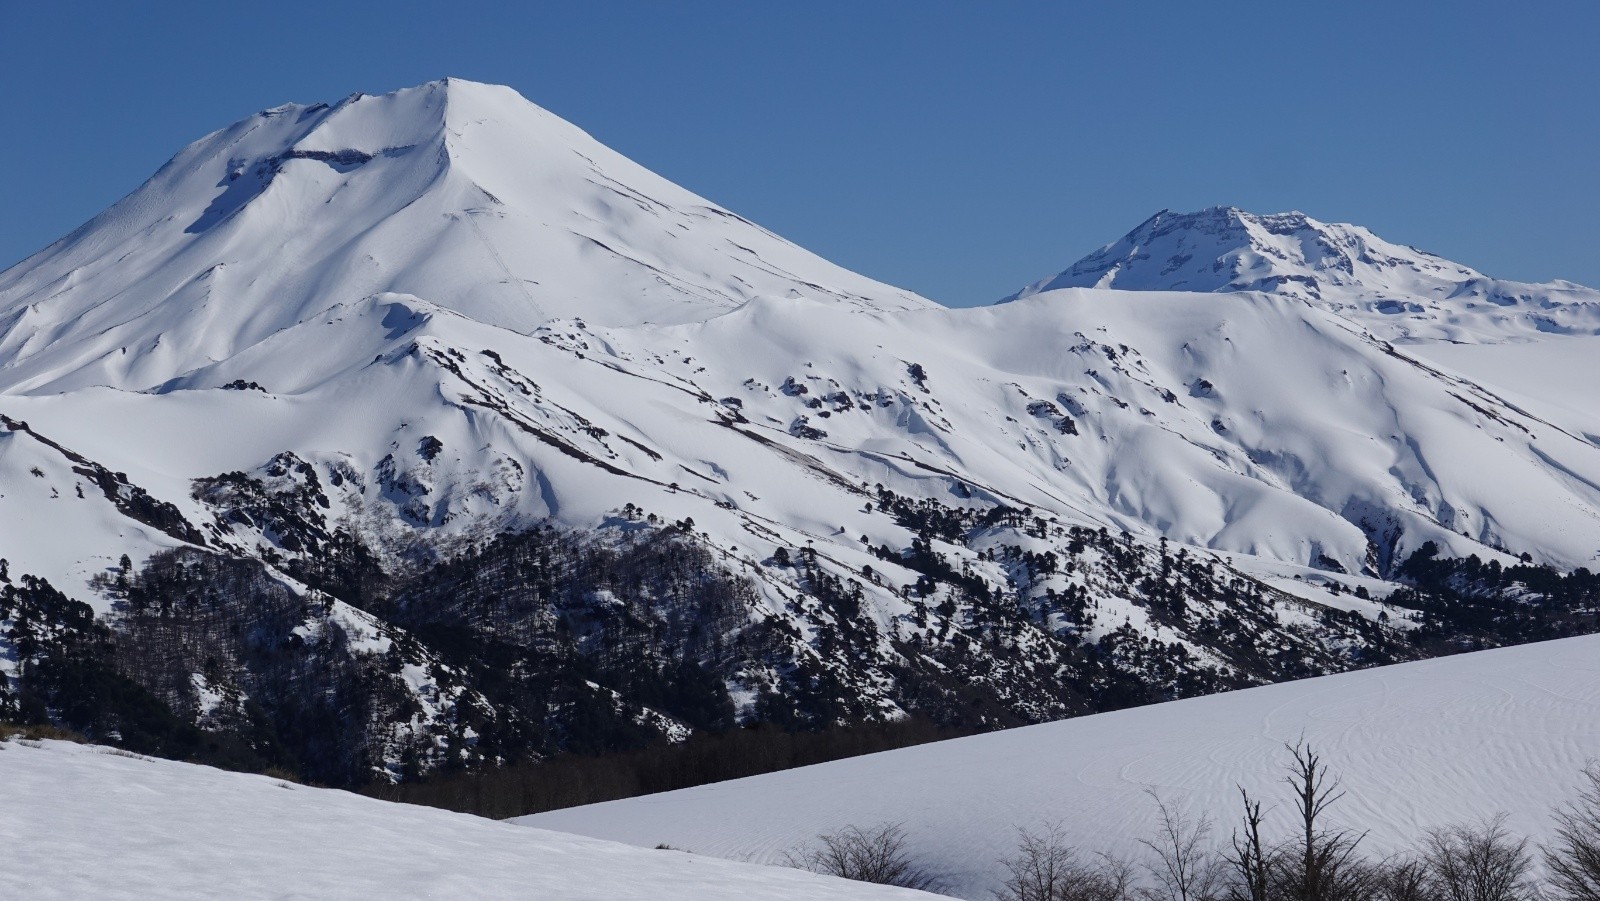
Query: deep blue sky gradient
[{"x": 960, "y": 150}]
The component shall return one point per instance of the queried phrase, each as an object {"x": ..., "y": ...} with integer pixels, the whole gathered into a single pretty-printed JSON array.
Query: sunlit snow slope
[
  {"x": 461, "y": 193},
  {"x": 1417, "y": 745},
  {"x": 1399, "y": 292},
  {"x": 411, "y": 322},
  {"x": 87, "y": 822}
]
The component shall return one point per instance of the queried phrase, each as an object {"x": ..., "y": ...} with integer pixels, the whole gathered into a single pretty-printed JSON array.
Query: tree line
[{"x": 570, "y": 780}]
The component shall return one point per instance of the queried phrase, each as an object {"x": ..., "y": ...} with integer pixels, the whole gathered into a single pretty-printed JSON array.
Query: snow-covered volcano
[
  {"x": 338, "y": 346},
  {"x": 1400, "y": 292},
  {"x": 461, "y": 193}
]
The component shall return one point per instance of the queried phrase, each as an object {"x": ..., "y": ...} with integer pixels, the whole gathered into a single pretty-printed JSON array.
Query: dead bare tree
[
  {"x": 1183, "y": 867},
  {"x": 1322, "y": 864},
  {"x": 1572, "y": 860},
  {"x": 1250, "y": 859}
]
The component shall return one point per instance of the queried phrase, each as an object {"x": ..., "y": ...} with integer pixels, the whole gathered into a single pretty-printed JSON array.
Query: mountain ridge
[
  {"x": 411, "y": 192},
  {"x": 1400, "y": 292},
  {"x": 678, "y": 472}
]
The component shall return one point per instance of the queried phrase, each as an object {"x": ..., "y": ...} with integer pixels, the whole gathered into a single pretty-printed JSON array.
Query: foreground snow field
[
  {"x": 82, "y": 822},
  {"x": 1418, "y": 745}
]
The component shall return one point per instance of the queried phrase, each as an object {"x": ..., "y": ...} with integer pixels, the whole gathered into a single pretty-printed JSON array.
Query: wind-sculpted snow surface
[
  {"x": 91, "y": 822},
  {"x": 1418, "y": 745}
]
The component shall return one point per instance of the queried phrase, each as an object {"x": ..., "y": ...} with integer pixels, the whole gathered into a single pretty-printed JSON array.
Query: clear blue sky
[{"x": 959, "y": 150}]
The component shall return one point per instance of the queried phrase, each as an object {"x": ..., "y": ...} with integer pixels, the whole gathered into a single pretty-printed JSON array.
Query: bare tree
[
  {"x": 1117, "y": 881},
  {"x": 1047, "y": 868},
  {"x": 1184, "y": 868},
  {"x": 1405, "y": 879},
  {"x": 1251, "y": 859},
  {"x": 1478, "y": 863},
  {"x": 1321, "y": 864},
  {"x": 876, "y": 854},
  {"x": 1573, "y": 859},
  {"x": 1042, "y": 866}
]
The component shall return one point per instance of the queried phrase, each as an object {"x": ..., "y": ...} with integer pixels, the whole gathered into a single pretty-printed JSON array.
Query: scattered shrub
[{"x": 875, "y": 854}]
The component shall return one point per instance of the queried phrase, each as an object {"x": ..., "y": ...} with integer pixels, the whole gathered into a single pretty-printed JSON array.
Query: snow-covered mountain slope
[
  {"x": 344, "y": 379},
  {"x": 1401, "y": 293},
  {"x": 769, "y": 428},
  {"x": 1245, "y": 423},
  {"x": 1418, "y": 745},
  {"x": 461, "y": 193},
  {"x": 1557, "y": 377},
  {"x": 90, "y": 822}
]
